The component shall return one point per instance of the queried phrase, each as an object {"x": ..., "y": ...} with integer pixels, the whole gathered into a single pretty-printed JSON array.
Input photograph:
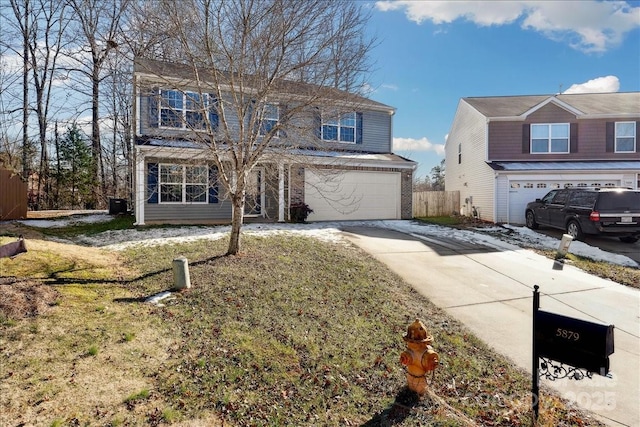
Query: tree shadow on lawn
[{"x": 406, "y": 400}]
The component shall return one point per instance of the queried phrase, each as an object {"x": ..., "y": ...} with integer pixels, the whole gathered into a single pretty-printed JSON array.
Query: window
[
  {"x": 625, "y": 137},
  {"x": 270, "y": 117},
  {"x": 341, "y": 130},
  {"x": 550, "y": 138},
  {"x": 460, "y": 153},
  {"x": 183, "y": 183},
  {"x": 183, "y": 110}
]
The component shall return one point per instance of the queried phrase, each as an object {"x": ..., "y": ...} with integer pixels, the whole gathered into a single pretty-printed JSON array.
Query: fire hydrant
[{"x": 419, "y": 357}]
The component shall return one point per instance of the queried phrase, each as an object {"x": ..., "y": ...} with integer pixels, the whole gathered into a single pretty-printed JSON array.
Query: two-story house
[
  {"x": 503, "y": 152},
  {"x": 343, "y": 168}
]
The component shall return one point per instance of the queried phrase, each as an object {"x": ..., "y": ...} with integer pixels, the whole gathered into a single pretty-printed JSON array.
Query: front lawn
[{"x": 293, "y": 331}]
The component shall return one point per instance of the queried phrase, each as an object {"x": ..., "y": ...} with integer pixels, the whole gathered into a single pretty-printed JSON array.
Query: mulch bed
[{"x": 20, "y": 299}]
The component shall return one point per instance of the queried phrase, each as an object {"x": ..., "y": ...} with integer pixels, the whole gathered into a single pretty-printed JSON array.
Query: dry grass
[{"x": 291, "y": 332}]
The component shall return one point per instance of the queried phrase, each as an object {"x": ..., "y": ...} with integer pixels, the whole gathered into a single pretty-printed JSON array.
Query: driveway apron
[{"x": 490, "y": 291}]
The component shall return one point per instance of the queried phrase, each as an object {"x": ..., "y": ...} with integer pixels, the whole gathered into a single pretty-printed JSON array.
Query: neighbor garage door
[
  {"x": 352, "y": 195},
  {"x": 522, "y": 192}
]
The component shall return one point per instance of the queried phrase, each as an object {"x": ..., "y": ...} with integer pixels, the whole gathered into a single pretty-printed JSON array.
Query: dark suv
[{"x": 580, "y": 211}]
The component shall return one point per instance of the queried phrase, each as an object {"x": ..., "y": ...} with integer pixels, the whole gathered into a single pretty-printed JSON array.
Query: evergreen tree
[{"x": 75, "y": 174}]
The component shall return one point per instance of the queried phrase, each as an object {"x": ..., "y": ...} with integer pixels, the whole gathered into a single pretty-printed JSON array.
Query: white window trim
[
  {"x": 615, "y": 137},
  {"x": 183, "y": 111},
  {"x": 326, "y": 122},
  {"x": 264, "y": 117},
  {"x": 549, "y": 138},
  {"x": 183, "y": 184}
]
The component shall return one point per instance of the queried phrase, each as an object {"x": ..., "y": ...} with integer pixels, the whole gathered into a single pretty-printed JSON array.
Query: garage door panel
[{"x": 352, "y": 195}]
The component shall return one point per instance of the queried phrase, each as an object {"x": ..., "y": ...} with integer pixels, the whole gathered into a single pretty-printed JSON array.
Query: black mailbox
[{"x": 574, "y": 342}]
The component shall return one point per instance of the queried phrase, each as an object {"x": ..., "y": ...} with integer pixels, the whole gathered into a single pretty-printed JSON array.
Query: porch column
[
  {"x": 280, "y": 192},
  {"x": 140, "y": 190}
]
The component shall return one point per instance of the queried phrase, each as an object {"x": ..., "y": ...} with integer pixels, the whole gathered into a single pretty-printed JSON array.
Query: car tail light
[{"x": 595, "y": 216}]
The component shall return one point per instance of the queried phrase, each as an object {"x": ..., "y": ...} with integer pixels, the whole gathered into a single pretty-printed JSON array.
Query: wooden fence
[
  {"x": 436, "y": 203},
  {"x": 13, "y": 196}
]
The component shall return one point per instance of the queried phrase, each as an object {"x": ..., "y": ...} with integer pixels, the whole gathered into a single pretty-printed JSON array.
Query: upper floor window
[
  {"x": 625, "y": 137},
  {"x": 342, "y": 129},
  {"x": 183, "y": 110},
  {"x": 550, "y": 138},
  {"x": 270, "y": 117},
  {"x": 183, "y": 183}
]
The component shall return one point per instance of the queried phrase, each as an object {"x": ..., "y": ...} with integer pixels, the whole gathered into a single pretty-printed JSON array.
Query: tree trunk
[
  {"x": 237, "y": 216},
  {"x": 95, "y": 139}
]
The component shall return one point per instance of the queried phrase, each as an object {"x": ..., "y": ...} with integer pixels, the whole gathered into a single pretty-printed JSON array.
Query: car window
[
  {"x": 549, "y": 196},
  {"x": 561, "y": 198},
  {"x": 619, "y": 201},
  {"x": 586, "y": 199}
]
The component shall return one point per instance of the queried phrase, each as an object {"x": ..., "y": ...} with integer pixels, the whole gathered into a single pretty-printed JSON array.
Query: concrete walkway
[{"x": 490, "y": 291}]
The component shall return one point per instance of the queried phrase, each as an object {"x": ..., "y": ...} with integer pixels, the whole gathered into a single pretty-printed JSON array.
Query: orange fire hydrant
[{"x": 419, "y": 357}]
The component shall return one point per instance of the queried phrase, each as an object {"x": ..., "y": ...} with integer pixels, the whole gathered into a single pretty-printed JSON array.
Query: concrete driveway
[
  {"x": 606, "y": 243},
  {"x": 490, "y": 291}
]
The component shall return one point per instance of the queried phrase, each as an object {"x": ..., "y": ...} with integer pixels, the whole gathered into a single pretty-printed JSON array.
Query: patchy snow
[
  {"x": 67, "y": 221},
  {"x": 499, "y": 237}
]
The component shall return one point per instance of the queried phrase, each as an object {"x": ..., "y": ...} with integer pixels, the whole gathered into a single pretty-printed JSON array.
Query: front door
[{"x": 254, "y": 199}]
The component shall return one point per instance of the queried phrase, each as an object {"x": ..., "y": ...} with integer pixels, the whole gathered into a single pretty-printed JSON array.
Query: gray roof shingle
[{"x": 622, "y": 103}]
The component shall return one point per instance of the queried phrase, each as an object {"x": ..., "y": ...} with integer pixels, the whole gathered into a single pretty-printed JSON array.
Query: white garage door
[
  {"x": 523, "y": 192},
  {"x": 352, "y": 195}
]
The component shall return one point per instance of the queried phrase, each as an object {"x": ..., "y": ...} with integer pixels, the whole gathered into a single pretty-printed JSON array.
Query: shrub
[{"x": 298, "y": 212}]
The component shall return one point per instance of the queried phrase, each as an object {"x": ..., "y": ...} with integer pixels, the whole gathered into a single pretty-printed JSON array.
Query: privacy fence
[
  {"x": 435, "y": 203},
  {"x": 13, "y": 196}
]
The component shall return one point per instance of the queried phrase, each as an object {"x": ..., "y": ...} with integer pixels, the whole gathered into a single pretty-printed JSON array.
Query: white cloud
[
  {"x": 422, "y": 144},
  {"x": 597, "y": 85},
  {"x": 588, "y": 26}
]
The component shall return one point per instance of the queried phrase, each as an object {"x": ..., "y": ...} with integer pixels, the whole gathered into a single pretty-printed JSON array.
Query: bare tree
[
  {"x": 21, "y": 13},
  {"x": 98, "y": 22},
  {"x": 250, "y": 54}
]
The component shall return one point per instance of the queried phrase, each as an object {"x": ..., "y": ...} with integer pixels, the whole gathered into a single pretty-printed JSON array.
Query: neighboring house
[
  {"x": 342, "y": 169},
  {"x": 503, "y": 152}
]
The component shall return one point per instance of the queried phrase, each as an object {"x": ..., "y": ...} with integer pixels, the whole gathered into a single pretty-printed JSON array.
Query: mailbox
[{"x": 574, "y": 342}]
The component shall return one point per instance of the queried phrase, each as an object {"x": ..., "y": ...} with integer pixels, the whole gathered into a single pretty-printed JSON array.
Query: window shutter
[
  {"x": 213, "y": 112},
  {"x": 358, "y": 128},
  {"x": 637, "y": 136},
  {"x": 152, "y": 103},
  {"x": 152, "y": 182},
  {"x": 317, "y": 118},
  {"x": 213, "y": 184},
  {"x": 573, "y": 138},
  {"x": 283, "y": 120},
  {"x": 526, "y": 138},
  {"x": 610, "y": 144}
]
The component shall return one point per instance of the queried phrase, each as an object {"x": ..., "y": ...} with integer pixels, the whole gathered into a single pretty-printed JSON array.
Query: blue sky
[{"x": 431, "y": 54}]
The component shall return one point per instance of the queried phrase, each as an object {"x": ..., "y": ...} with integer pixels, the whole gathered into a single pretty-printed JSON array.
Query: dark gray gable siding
[{"x": 376, "y": 132}]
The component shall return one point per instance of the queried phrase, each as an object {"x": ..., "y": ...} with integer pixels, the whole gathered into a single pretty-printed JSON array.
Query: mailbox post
[{"x": 578, "y": 343}]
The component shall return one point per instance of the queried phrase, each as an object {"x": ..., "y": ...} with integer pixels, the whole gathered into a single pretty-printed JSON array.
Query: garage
[
  {"x": 352, "y": 195},
  {"x": 522, "y": 192}
]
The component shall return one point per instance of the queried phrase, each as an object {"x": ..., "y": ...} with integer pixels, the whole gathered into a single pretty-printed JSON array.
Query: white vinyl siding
[{"x": 472, "y": 176}]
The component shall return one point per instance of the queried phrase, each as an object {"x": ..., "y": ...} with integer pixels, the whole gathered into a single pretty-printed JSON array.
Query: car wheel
[
  {"x": 531, "y": 220},
  {"x": 574, "y": 230},
  {"x": 628, "y": 239}
]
